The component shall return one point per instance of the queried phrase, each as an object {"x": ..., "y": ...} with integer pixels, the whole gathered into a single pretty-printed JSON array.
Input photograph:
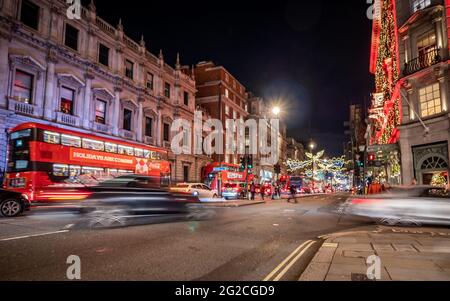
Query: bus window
[
  {"x": 110, "y": 147},
  {"x": 21, "y": 134},
  {"x": 125, "y": 150},
  {"x": 93, "y": 144},
  {"x": 21, "y": 164},
  {"x": 74, "y": 171},
  {"x": 91, "y": 170},
  {"x": 60, "y": 170},
  {"x": 72, "y": 141},
  {"x": 51, "y": 137},
  {"x": 138, "y": 152}
]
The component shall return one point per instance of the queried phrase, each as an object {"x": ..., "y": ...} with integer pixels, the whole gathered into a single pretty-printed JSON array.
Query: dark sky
[{"x": 313, "y": 55}]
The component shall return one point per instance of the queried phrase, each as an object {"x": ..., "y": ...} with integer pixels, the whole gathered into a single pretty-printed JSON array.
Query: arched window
[{"x": 434, "y": 163}]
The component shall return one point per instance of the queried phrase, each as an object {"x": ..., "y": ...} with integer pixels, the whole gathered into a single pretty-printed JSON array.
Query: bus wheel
[{"x": 11, "y": 208}]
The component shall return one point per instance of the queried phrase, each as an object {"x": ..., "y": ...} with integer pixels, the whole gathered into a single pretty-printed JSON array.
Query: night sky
[{"x": 313, "y": 55}]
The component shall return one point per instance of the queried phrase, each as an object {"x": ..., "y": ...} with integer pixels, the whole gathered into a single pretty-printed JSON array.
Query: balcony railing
[
  {"x": 127, "y": 134},
  {"x": 67, "y": 119},
  {"x": 426, "y": 60},
  {"x": 149, "y": 140},
  {"x": 23, "y": 108},
  {"x": 102, "y": 128}
]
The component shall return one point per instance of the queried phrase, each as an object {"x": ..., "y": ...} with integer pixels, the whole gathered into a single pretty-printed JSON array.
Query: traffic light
[
  {"x": 250, "y": 162},
  {"x": 277, "y": 169},
  {"x": 371, "y": 159},
  {"x": 243, "y": 163}
]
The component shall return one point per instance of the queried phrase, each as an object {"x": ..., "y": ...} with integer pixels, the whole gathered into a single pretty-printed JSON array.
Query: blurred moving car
[
  {"x": 131, "y": 200},
  {"x": 202, "y": 191},
  {"x": 12, "y": 203},
  {"x": 416, "y": 206},
  {"x": 234, "y": 191}
]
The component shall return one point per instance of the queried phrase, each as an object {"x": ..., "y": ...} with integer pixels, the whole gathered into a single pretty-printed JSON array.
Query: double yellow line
[{"x": 288, "y": 263}]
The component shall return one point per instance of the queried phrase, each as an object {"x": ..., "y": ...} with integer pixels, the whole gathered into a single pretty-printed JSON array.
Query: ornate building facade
[{"x": 86, "y": 74}]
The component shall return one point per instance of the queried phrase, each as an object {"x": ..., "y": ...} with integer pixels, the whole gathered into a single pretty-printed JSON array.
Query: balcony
[
  {"x": 23, "y": 108},
  {"x": 424, "y": 61},
  {"x": 149, "y": 140},
  {"x": 102, "y": 128},
  {"x": 67, "y": 119},
  {"x": 127, "y": 134}
]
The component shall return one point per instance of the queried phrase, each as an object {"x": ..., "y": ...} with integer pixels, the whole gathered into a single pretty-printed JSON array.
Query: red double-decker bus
[
  {"x": 228, "y": 173},
  {"x": 43, "y": 156}
]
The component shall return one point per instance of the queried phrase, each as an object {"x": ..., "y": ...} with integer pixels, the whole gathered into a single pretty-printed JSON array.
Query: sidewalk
[
  {"x": 236, "y": 203},
  {"x": 406, "y": 255}
]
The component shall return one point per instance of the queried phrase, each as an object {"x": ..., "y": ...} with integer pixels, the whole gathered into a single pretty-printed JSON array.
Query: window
[
  {"x": 67, "y": 100},
  {"x": 103, "y": 55},
  {"x": 93, "y": 144},
  {"x": 235, "y": 115},
  {"x": 129, "y": 69},
  {"x": 71, "y": 39},
  {"x": 72, "y": 141},
  {"x": 23, "y": 86},
  {"x": 51, "y": 137},
  {"x": 186, "y": 98},
  {"x": 138, "y": 152},
  {"x": 426, "y": 44},
  {"x": 420, "y": 4},
  {"x": 60, "y": 170},
  {"x": 430, "y": 100},
  {"x": 167, "y": 90},
  {"x": 110, "y": 147},
  {"x": 100, "y": 111},
  {"x": 149, "y": 81},
  {"x": 127, "y": 115},
  {"x": 227, "y": 93},
  {"x": 166, "y": 132},
  {"x": 148, "y": 127},
  {"x": 227, "y": 110},
  {"x": 29, "y": 14},
  {"x": 125, "y": 150},
  {"x": 186, "y": 173}
]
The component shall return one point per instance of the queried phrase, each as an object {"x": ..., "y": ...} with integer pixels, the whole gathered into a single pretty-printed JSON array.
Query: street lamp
[
  {"x": 276, "y": 110},
  {"x": 312, "y": 146}
]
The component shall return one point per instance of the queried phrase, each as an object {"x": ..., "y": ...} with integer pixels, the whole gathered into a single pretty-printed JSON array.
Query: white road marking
[
  {"x": 286, "y": 261},
  {"x": 293, "y": 261},
  {"x": 34, "y": 235}
]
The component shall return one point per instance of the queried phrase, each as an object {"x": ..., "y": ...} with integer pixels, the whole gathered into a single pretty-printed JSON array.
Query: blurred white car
[
  {"x": 423, "y": 205},
  {"x": 202, "y": 191}
]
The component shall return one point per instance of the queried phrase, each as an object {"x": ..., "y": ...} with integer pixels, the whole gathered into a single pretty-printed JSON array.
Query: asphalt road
[{"x": 243, "y": 243}]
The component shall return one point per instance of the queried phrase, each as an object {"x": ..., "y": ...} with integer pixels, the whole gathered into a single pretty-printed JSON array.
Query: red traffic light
[{"x": 371, "y": 157}]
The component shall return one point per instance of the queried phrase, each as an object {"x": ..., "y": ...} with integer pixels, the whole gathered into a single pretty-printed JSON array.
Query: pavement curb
[{"x": 233, "y": 205}]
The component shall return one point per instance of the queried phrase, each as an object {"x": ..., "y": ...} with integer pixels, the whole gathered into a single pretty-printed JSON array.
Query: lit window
[
  {"x": 92, "y": 171},
  {"x": 93, "y": 144},
  {"x": 125, "y": 150},
  {"x": 23, "y": 86},
  {"x": 430, "y": 100},
  {"x": 100, "y": 111},
  {"x": 227, "y": 110},
  {"x": 426, "y": 48},
  {"x": 147, "y": 154},
  {"x": 72, "y": 141},
  {"x": 110, "y": 147},
  {"x": 420, "y": 4},
  {"x": 67, "y": 100},
  {"x": 129, "y": 69},
  {"x": 71, "y": 39},
  {"x": 227, "y": 93},
  {"x": 29, "y": 14},
  {"x": 60, "y": 170},
  {"x": 51, "y": 137},
  {"x": 74, "y": 171},
  {"x": 138, "y": 152}
]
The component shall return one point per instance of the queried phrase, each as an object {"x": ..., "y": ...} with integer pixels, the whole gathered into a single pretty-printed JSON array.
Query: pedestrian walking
[
  {"x": 252, "y": 191},
  {"x": 293, "y": 192}
]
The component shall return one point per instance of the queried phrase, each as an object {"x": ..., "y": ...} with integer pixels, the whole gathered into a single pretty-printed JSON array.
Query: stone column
[
  {"x": 159, "y": 128},
  {"x": 88, "y": 103},
  {"x": 50, "y": 103},
  {"x": 443, "y": 90},
  {"x": 116, "y": 111},
  {"x": 4, "y": 70},
  {"x": 407, "y": 49},
  {"x": 140, "y": 121},
  {"x": 439, "y": 34}
]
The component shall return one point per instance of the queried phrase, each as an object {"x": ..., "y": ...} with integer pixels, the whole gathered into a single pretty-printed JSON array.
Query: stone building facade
[
  {"x": 423, "y": 29},
  {"x": 87, "y": 75}
]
